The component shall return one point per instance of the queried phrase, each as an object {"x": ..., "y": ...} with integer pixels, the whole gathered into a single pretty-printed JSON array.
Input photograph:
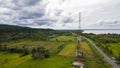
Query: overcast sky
[{"x": 61, "y": 14}]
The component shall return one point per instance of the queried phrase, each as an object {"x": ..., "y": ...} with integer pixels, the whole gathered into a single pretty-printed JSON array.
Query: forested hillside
[{"x": 10, "y": 32}]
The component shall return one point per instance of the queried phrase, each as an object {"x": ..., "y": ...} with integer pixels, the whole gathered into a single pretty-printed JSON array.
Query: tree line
[
  {"x": 104, "y": 38},
  {"x": 37, "y": 53}
]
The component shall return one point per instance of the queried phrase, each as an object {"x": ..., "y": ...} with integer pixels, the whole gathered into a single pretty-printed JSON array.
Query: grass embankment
[
  {"x": 96, "y": 61},
  {"x": 69, "y": 50},
  {"x": 115, "y": 47}
]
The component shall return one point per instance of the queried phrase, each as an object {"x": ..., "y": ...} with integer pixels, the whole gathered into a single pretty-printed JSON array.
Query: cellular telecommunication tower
[
  {"x": 78, "y": 63},
  {"x": 79, "y": 52}
]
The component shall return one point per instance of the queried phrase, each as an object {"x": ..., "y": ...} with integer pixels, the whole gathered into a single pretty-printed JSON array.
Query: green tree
[{"x": 40, "y": 53}]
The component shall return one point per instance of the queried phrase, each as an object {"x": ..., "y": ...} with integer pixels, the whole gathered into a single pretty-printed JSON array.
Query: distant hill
[
  {"x": 13, "y": 28},
  {"x": 11, "y": 32}
]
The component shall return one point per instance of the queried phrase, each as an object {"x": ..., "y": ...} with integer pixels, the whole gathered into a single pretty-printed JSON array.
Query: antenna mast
[
  {"x": 79, "y": 32},
  {"x": 79, "y": 54},
  {"x": 79, "y": 20},
  {"x": 79, "y": 25}
]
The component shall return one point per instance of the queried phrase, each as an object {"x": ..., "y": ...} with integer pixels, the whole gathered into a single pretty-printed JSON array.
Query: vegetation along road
[{"x": 104, "y": 55}]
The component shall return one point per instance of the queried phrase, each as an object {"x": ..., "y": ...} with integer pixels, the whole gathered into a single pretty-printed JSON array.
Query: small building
[{"x": 77, "y": 64}]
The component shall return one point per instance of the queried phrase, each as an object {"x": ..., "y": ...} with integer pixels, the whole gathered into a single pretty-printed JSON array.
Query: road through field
[{"x": 110, "y": 61}]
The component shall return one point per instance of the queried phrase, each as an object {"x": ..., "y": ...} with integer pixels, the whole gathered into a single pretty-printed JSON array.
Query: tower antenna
[
  {"x": 79, "y": 54},
  {"x": 79, "y": 20},
  {"x": 79, "y": 32}
]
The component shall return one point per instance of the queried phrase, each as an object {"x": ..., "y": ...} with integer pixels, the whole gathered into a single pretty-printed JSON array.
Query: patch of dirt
[{"x": 49, "y": 47}]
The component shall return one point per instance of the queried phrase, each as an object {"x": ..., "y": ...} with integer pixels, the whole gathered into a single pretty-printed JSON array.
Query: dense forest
[{"x": 10, "y": 32}]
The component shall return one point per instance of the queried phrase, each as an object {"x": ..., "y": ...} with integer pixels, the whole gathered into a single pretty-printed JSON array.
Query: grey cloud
[
  {"x": 41, "y": 22},
  {"x": 6, "y": 3},
  {"x": 7, "y": 14},
  {"x": 31, "y": 15},
  {"x": 44, "y": 22},
  {"x": 68, "y": 20},
  {"x": 25, "y": 3},
  {"x": 58, "y": 12},
  {"x": 109, "y": 22},
  {"x": 21, "y": 11},
  {"x": 23, "y": 22}
]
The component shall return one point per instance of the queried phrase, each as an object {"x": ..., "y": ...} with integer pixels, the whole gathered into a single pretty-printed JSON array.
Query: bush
[{"x": 40, "y": 53}]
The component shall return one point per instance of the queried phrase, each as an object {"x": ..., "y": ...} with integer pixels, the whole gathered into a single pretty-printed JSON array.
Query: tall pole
[
  {"x": 79, "y": 20},
  {"x": 79, "y": 54},
  {"x": 79, "y": 32}
]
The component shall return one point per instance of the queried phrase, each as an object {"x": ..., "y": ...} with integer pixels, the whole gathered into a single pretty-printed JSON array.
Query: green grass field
[
  {"x": 69, "y": 50},
  {"x": 28, "y": 44},
  {"x": 12, "y": 60},
  {"x": 64, "y": 38},
  {"x": 15, "y": 61},
  {"x": 62, "y": 57},
  {"x": 115, "y": 48}
]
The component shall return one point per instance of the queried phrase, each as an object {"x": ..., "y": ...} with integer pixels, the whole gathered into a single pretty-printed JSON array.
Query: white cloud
[
  {"x": 59, "y": 14},
  {"x": 106, "y": 24}
]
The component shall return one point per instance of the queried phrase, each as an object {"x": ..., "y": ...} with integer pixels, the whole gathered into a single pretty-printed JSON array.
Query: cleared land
[{"x": 28, "y": 44}]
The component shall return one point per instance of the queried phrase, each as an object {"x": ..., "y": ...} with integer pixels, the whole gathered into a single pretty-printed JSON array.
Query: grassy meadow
[
  {"x": 55, "y": 61},
  {"x": 69, "y": 50},
  {"x": 115, "y": 47},
  {"x": 15, "y": 61},
  {"x": 62, "y": 50}
]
